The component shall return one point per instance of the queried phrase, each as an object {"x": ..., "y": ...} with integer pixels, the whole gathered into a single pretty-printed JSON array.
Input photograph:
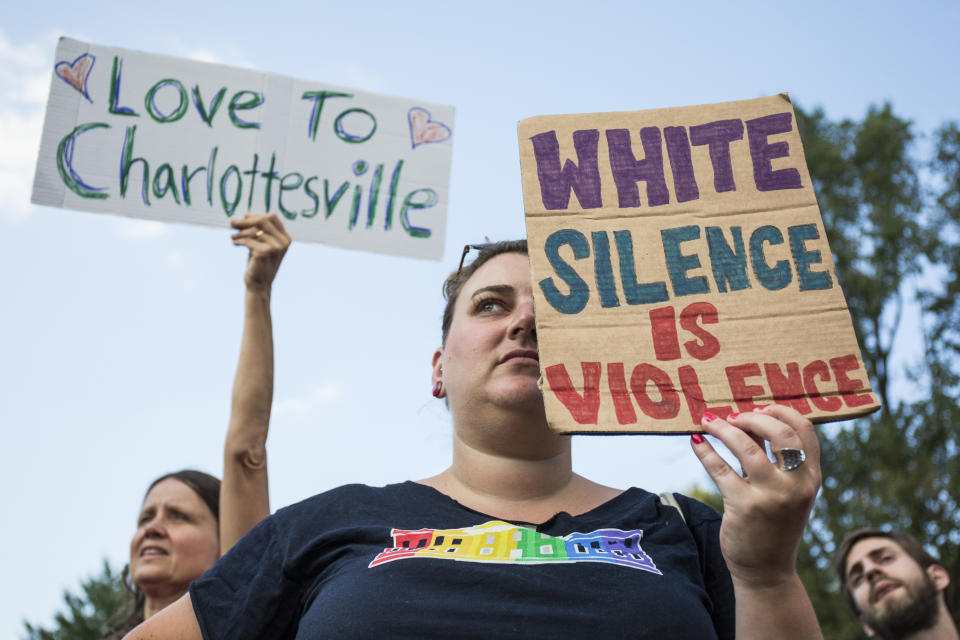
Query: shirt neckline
[{"x": 613, "y": 504}]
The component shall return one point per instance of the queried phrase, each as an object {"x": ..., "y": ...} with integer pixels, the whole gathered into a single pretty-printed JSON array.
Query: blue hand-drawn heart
[
  {"x": 423, "y": 130},
  {"x": 76, "y": 73}
]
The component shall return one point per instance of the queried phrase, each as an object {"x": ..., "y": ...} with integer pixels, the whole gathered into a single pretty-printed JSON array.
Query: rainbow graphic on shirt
[{"x": 506, "y": 543}]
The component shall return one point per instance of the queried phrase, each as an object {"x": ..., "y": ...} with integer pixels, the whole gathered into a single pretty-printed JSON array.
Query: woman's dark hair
[
  {"x": 455, "y": 281},
  {"x": 207, "y": 488},
  {"x": 906, "y": 542}
]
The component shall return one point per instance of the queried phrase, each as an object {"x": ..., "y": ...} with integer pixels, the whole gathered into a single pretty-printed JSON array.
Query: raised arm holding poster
[
  {"x": 165, "y": 138},
  {"x": 680, "y": 266}
]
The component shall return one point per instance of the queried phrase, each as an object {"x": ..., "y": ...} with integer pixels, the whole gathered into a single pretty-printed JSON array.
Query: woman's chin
[
  {"x": 148, "y": 577},
  {"x": 523, "y": 395}
]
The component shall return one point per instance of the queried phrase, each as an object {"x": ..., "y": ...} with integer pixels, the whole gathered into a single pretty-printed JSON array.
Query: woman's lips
[{"x": 521, "y": 356}]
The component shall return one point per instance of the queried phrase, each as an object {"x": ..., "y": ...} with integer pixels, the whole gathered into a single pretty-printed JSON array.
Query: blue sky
[{"x": 118, "y": 338}]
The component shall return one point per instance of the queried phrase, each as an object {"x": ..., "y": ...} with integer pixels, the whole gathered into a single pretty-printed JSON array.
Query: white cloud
[
  {"x": 206, "y": 55},
  {"x": 326, "y": 394},
  {"x": 24, "y": 84},
  {"x": 177, "y": 261},
  {"x": 26, "y": 55},
  {"x": 351, "y": 74},
  {"x": 203, "y": 55},
  {"x": 222, "y": 52},
  {"x": 137, "y": 229}
]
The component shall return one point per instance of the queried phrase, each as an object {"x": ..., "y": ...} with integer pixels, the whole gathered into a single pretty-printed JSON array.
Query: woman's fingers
[
  {"x": 744, "y": 435},
  {"x": 260, "y": 232},
  {"x": 802, "y": 427},
  {"x": 251, "y": 223},
  {"x": 745, "y": 444},
  {"x": 267, "y": 240},
  {"x": 273, "y": 222},
  {"x": 250, "y": 220},
  {"x": 245, "y": 221},
  {"x": 726, "y": 479},
  {"x": 249, "y": 229},
  {"x": 254, "y": 238}
]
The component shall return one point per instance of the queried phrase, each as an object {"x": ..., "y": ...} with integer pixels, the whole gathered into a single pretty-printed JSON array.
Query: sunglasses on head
[{"x": 466, "y": 250}]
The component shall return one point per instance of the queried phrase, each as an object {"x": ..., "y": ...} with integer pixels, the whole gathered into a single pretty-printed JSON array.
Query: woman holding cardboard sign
[
  {"x": 541, "y": 551},
  {"x": 188, "y": 519}
]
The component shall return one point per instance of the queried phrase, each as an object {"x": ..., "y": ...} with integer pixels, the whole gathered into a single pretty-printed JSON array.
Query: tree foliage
[
  {"x": 89, "y": 615},
  {"x": 894, "y": 226}
]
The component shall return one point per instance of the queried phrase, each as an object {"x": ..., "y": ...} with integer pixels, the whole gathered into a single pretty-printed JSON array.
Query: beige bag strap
[{"x": 670, "y": 499}]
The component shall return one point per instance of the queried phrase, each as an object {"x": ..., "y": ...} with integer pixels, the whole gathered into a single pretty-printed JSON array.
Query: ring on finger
[
  {"x": 791, "y": 459},
  {"x": 258, "y": 233}
]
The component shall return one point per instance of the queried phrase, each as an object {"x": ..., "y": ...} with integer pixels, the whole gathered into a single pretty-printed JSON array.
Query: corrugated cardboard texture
[{"x": 680, "y": 265}]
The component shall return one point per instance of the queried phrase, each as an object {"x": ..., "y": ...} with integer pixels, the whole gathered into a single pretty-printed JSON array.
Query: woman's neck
[
  {"x": 503, "y": 476},
  {"x": 531, "y": 488}
]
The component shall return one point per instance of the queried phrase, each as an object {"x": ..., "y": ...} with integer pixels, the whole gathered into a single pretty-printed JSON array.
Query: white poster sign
[{"x": 171, "y": 139}]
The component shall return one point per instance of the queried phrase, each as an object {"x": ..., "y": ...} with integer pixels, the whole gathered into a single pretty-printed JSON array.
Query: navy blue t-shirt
[{"x": 406, "y": 561}]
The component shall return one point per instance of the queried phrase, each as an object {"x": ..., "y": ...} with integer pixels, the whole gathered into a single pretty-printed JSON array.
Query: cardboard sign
[
  {"x": 680, "y": 266},
  {"x": 171, "y": 139}
]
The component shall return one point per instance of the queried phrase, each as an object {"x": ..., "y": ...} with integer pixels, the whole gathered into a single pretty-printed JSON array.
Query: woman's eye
[{"x": 488, "y": 306}]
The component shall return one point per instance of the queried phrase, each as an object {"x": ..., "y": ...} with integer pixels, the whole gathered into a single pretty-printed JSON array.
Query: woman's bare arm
[
  {"x": 244, "y": 494},
  {"x": 175, "y": 622}
]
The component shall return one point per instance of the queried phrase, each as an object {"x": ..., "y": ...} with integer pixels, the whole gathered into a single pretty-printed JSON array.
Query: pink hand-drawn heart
[
  {"x": 423, "y": 130},
  {"x": 76, "y": 73}
]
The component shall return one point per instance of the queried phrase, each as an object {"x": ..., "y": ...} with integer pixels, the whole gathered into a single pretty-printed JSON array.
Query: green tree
[
  {"x": 89, "y": 615},
  {"x": 893, "y": 225},
  {"x": 708, "y": 496}
]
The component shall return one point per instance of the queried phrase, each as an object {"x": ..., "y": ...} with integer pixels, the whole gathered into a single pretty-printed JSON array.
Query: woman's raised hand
[
  {"x": 766, "y": 510},
  {"x": 267, "y": 240}
]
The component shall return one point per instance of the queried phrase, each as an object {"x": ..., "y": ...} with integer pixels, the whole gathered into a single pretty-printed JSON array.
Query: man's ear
[{"x": 939, "y": 576}]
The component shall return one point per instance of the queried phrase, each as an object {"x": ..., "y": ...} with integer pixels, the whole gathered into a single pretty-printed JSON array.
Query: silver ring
[
  {"x": 258, "y": 233},
  {"x": 791, "y": 459}
]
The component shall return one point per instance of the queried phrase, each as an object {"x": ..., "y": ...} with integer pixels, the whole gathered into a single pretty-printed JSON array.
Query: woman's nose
[
  {"x": 154, "y": 529},
  {"x": 524, "y": 321}
]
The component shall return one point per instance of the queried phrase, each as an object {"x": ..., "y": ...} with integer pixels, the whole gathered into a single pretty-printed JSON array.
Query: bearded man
[{"x": 895, "y": 588}]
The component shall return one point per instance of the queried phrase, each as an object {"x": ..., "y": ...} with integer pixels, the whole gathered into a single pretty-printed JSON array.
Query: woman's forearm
[
  {"x": 781, "y": 611},
  {"x": 244, "y": 497}
]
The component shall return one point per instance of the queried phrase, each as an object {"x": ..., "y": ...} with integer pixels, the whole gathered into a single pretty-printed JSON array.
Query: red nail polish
[
  {"x": 697, "y": 438},
  {"x": 733, "y": 416},
  {"x": 436, "y": 389},
  {"x": 709, "y": 417}
]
